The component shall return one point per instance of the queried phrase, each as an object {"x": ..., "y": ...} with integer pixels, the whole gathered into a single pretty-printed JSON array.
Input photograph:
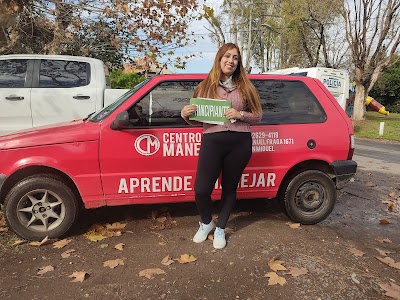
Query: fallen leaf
[
  {"x": 275, "y": 279},
  {"x": 3, "y": 229},
  {"x": 113, "y": 233},
  {"x": 386, "y": 240},
  {"x": 294, "y": 225},
  {"x": 112, "y": 264},
  {"x": 79, "y": 276},
  {"x": 61, "y": 244},
  {"x": 244, "y": 214},
  {"x": 19, "y": 242},
  {"x": 67, "y": 253},
  {"x": 356, "y": 252},
  {"x": 391, "y": 205},
  {"x": 94, "y": 236},
  {"x": 96, "y": 227},
  {"x": 186, "y": 258},
  {"x": 166, "y": 261},
  {"x": 148, "y": 273},
  {"x": 45, "y": 269},
  {"x": 116, "y": 226},
  {"x": 276, "y": 265},
  {"x": 389, "y": 261},
  {"x": 392, "y": 290},
  {"x": 383, "y": 252},
  {"x": 384, "y": 221},
  {"x": 119, "y": 246},
  {"x": 103, "y": 246},
  {"x": 45, "y": 241},
  {"x": 297, "y": 271},
  {"x": 2, "y": 222},
  {"x": 392, "y": 195},
  {"x": 210, "y": 237},
  {"x": 353, "y": 277},
  {"x": 161, "y": 219}
]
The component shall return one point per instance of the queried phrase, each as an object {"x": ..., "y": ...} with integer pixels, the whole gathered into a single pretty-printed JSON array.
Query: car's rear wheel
[
  {"x": 310, "y": 197},
  {"x": 40, "y": 206}
]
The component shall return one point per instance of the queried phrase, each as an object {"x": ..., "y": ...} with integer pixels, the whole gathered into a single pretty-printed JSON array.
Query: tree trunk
[{"x": 359, "y": 102}]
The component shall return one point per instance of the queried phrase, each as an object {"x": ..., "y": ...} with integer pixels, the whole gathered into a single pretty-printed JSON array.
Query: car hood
[{"x": 68, "y": 132}]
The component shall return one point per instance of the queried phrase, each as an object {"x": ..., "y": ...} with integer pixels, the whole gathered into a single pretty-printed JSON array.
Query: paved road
[{"x": 378, "y": 156}]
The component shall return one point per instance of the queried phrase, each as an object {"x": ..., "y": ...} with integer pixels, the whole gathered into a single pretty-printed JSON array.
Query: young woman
[{"x": 225, "y": 148}]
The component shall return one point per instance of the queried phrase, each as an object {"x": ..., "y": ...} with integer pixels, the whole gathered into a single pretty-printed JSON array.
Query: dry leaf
[
  {"x": 161, "y": 219},
  {"x": 356, "y": 252},
  {"x": 112, "y": 264},
  {"x": 45, "y": 269},
  {"x": 61, "y": 244},
  {"x": 103, "y": 246},
  {"x": 79, "y": 276},
  {"x": 297, "y": 271},
  {"x": 244, "y": 214},
  {"x": 186, "y": 258},
  {"x": 392, "y": 195},
  {"x": 2, "y": 223},
  {"x": 94, "y": 236},
  {"x": 389, "y": 261},
  {"x": 148, "y": 273},
  {"x": 210, "y": 237},
  {"x": 294, "y": 225},
  {"x": 384, "y": 240},
  {"x": 115, "y": 226},
  {"x": 67, "y": 253},
  {"x": 383, "y": 252},
  {"x": 96, "y": 227},
  {"x": 166, "y": 261},
  {"x": 45, "y": 241},
  {"x": 384, "y": 221},
  {"x": 119, "y": 246},
  {"x": 392, "y": 290},
  {"x": 275, "y": 279},
  {"x": 276, "y": 265},
  {"x": 113, "y": 233},
  {"x": 391, "y": 205},
  {"x": 3, "y": 229},
  {"x": 19, "y": 242}
]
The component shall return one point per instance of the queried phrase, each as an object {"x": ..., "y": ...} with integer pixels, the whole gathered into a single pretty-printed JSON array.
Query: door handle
[
  {"x": 81, "y": 97},
  {"x": 14, "y": 98}
]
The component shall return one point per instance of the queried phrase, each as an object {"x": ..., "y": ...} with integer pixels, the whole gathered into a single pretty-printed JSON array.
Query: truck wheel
[
  {"x": 310, "y": 197},
  {"x": 40, "y": 206}
]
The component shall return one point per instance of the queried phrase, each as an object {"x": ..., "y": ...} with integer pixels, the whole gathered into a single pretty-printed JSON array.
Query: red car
[{"x": 139, "y": 150}]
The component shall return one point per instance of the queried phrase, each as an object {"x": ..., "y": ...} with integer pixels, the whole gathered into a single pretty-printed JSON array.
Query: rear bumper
[{"x": 344, "y": 170}]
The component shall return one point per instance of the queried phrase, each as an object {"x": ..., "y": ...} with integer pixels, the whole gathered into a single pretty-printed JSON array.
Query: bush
[{"x": 120, "y": 80}]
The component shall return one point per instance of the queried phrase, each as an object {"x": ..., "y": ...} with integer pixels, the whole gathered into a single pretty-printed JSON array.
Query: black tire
[
  {"x": 39, "y": 200},
  {"x": 310, "y": 197}
]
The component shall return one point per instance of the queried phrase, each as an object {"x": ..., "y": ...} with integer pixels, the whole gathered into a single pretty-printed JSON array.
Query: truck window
[
  {"x": 162, "y": 106},
  {"x": 288, "y": 102},
  {"x": 13, "y": 73},
  {"x": 63, "y": 74}
]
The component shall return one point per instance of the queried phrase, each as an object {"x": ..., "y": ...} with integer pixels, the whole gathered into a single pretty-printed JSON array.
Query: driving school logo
[{"x": 147, "y": 144}]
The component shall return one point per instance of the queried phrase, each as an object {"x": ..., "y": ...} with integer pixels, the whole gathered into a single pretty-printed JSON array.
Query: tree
[
  {"x": 372, "y": 31},
  {"x": 151, "y": 27}
]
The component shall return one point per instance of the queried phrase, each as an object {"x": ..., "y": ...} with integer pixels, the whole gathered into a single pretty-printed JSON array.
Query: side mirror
[{"x": 121, "y": 121}]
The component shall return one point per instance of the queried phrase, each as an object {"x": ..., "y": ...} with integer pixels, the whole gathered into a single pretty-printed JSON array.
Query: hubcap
[{"x": 41, "y": 210}]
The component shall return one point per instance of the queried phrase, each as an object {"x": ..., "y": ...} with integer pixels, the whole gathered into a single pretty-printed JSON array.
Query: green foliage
[
  {"x": 120, "y": 80},
  {"x": 387, "y": 89}
]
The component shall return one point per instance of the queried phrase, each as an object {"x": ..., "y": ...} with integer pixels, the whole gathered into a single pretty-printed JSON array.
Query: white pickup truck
[{"x": 37, "y": 90}]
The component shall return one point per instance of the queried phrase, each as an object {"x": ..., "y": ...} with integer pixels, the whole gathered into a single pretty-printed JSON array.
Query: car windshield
[{"x": 102, "y": 114}]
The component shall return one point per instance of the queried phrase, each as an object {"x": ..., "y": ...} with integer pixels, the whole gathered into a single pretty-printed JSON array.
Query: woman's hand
[
  {"x": 232, "y": 113},
  {"x": 188, "y": 110}
]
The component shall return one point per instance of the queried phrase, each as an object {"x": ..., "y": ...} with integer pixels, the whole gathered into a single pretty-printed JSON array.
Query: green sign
[{"x": 210, "y": 110}]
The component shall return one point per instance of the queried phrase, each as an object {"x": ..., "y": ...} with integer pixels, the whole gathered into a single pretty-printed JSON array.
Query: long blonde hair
[{"x": 208, "y": 87}]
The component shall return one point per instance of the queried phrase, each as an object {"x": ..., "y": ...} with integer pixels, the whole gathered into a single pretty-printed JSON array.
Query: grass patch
[{"x": 369, "y": 128}]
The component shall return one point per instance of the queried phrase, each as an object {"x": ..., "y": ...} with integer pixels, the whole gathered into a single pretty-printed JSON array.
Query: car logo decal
[{"x": 147, "y": 144}]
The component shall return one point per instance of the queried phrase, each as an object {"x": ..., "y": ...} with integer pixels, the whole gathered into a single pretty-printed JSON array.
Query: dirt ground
[{"x": 338, "y": 255}]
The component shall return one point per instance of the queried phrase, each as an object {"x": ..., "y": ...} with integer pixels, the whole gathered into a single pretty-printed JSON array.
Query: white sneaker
[
  {"x": 202, "y": 234},
  {"x": 219, "y": 238}
]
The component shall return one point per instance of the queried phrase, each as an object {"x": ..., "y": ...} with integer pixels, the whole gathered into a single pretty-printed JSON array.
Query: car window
[
  {"x": 288, "y": 102},
  {"x": 162, "y": 106},
  {"x": 13, "y": 73},
  {"x": 63, "y": 74}
]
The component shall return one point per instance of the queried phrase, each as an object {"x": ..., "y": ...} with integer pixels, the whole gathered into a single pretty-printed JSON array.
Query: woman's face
[{"x": 229, "y": 62}]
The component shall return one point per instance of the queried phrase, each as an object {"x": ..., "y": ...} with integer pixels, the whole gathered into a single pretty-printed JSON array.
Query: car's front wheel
[
  {"x": 310, "y": 197},
  {"x": 39, "y": 206}
]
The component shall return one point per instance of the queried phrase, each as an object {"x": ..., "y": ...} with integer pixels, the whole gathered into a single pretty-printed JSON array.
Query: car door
[
  {"x": 155, "y": 160},
  {"x": 63, "y": 90},
  {"x": 15, "y": 95}
]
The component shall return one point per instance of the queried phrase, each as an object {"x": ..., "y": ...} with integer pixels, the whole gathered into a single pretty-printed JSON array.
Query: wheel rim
[
  {"x": 310, "y": 197},
  {"x": 41, "y": 210}
]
